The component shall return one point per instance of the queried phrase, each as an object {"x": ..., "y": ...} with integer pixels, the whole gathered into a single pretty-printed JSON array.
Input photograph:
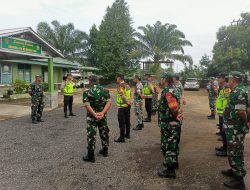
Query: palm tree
[
  {"x": 70, "y": 41},
  {"x": 163, "y": 42}
]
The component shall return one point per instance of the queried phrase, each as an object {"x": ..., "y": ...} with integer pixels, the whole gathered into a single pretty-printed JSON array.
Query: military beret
[
  {"x": 236, "y": 74},
  {"x": 167, "y": 75}
]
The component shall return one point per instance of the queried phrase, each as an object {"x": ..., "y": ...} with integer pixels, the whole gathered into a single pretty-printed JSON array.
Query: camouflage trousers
[
  {"x": 212, "y": 102},
  {"x": 155, "y": 103},
  {"x": 37, "y": 106},
  {"x": 170, "y": 138},
  {"x": 235, "y": 139},
  {"x": 138, "y": 112},
  {"x": 103, "y": 128}
]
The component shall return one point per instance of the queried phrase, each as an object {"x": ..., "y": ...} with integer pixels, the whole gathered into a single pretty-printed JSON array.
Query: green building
[{"x": 24, "y": 54}]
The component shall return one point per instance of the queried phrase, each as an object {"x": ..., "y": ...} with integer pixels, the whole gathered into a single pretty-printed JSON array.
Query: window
[
  {"x": 45, "y": 74},
  {"x": 24, "y": 72},
  {"x": 5, "y": 74}
]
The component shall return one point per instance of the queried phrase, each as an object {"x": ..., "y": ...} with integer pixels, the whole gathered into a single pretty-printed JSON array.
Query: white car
[{"x": 192, "y": 84}]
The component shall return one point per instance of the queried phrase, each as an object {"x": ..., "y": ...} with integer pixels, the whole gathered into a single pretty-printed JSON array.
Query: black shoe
[
  {"x": 104, "y": 152},
  {"x": 138, "y": 128},
  {"x": 211, "y": 117},
  {"x": 222, "y": 153},
  {"x": 34, "y": 122},
  {"x": 127, "y": 136},
  {"x": 167, "y": 173},
  {"x": 219, "y": 149},
  {"x": 40, "y": 120},
  {"x": 228, "y": 173},
  {"x": 237, "y": 183},
  {"x": 218, "y": 133},
  {"x": 72, "y": 114},
  {"x": 147, "y": 120},
  {"x": 120, "y": 140},
  {"x": 66, "y": 116},
  {"x": 90, "y": 157}
]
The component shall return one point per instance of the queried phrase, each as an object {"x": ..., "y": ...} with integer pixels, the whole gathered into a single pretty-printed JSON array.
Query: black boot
[
  {"x": 236, "y": 183},
  {"x": 40, "y": 120},
  {"x": 167, "y": 173},
  {"x": 222, "y": 153},
  {"x": 211, "y": 117},
  {"x": 138, "y": 127},
  {"x": 219, "y": 148},
  {"x": 71, "y": 114},
  {"x": 228, "y": 173},
  {"x": 34, "y": 122},
  {"x": 120, "y": 140},
  {"x": 127, "y": 136},
  {"x": 104, "y": 152},
  {"x": 90, "y": 157},
  {"x": 65, "y": 115}
]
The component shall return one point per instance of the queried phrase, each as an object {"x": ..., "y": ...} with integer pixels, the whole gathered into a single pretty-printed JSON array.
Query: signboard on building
[{"x": 20, "y": 45}]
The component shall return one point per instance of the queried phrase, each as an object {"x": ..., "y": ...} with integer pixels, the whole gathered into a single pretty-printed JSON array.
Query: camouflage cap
[
  {"x": 212, "y": 78},
  {"x": 235, "y": 74},
  {"x": 38, "y": 76},
  {"x": 167, "y": 75}
]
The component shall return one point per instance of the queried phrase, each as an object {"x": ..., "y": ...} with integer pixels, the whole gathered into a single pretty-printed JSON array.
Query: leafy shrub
[{"x": 20, "y": 86}]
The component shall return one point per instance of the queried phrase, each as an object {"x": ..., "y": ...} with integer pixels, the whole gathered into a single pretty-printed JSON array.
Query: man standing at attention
[
  {"x": 221, "y": 104},
  {"x": 123, "y": 101},
  {"x": 138, "y": 97},
  {"x": 96, "y": 100},
  {"x": 236, "y": 127},
  {"x": 37, "y": 103},
  {"x": 68, "y": 90},
  {"x": 212, "y": 95},
  {"x": 148, "y": 91},
  {"x": 170, "y": 123}
]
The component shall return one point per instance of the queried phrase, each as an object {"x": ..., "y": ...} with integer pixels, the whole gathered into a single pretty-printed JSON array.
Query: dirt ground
[{"x": 48, "y": 155}]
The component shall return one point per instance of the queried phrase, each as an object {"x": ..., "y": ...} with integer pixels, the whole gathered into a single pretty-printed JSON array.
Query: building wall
[{"x": 35, "y": 70}]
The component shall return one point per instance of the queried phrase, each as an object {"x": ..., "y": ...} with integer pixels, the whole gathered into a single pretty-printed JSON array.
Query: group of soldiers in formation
[{"x": 229, "y": 99}]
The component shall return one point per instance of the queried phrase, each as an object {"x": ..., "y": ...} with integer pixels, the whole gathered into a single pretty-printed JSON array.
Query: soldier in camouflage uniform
[
  {"x": 138, "y": 97},
  {"x": 170, "y": 122},
  {"x": 37, "y": 102},
  {"x": 212, "y": 95},
  {"x": 236, "y": 127},
  {"x": 96, "y": 100}
]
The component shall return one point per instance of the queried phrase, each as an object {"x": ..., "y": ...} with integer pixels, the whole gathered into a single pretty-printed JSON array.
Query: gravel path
[{"x": 48, "y": 156}]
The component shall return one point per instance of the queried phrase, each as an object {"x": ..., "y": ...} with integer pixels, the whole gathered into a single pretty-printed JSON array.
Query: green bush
[
  {"x": 45, "y": 87},
  {"x": 20, "y": 86}
]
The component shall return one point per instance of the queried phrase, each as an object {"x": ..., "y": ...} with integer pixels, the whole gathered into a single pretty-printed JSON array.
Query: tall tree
[
  {"x": 232, "y": 49},
  {"x": 70, "y": 41},
  {"x": 113, "y": 44},
  {"x": 163, "y": 41}
]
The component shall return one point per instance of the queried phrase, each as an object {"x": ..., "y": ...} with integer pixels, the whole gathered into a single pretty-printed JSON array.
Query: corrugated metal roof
[
  {"x": 15, "y": 31},
  {"x": 58, "y": 62}
]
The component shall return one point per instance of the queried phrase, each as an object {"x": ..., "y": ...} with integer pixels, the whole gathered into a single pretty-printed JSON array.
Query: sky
[{"x": 198, "y": 19}]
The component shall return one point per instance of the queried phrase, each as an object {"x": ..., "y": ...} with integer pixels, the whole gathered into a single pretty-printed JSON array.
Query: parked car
[{"x": 192, "y": 84}]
